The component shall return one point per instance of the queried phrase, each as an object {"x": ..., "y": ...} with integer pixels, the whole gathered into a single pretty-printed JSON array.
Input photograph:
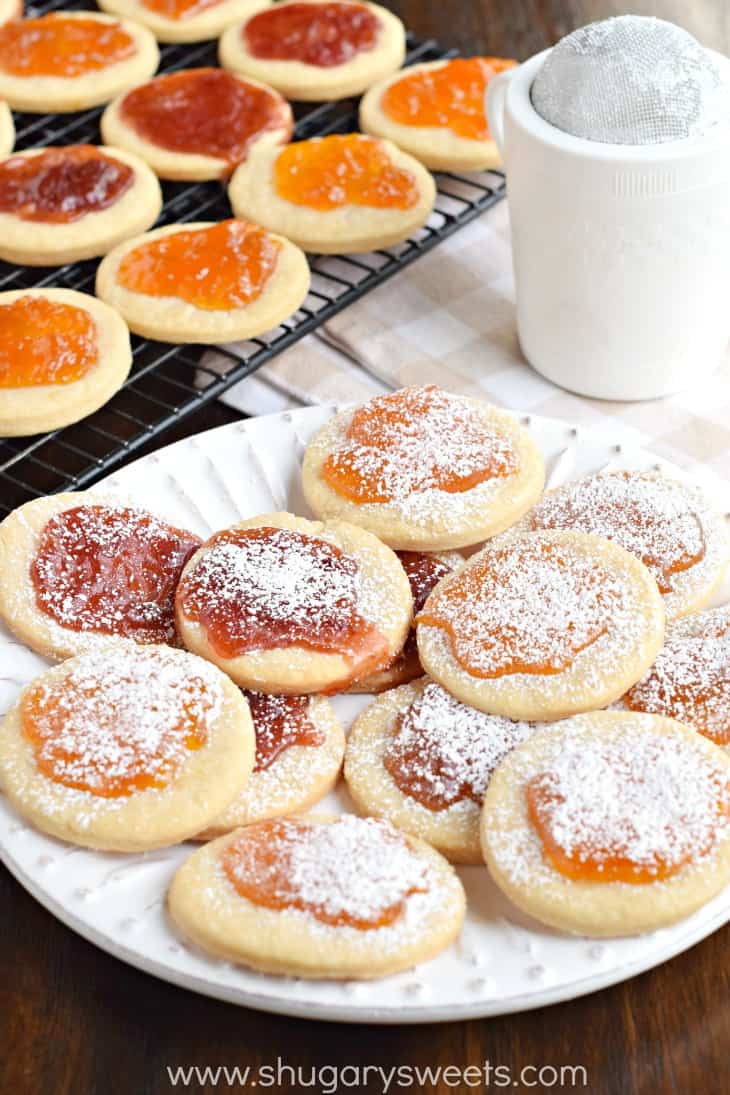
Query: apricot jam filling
[
  {"x": 270, "y": 588},
  {"x": 180, "y": 9},
  {"x": 217, "y": 268},
  {"x": 45, "y": 342},
  {"x": 652, "y": 517},
  {"x": 424, "y": 571},
  {"x": 690, "y": 678},
  {"x": 330, "y": 172},
  {"x": 116, "y": 726},
  {"x": 111, "y": 570},
  {"x": 529, "y": 607},
  {"x": 636, "y": 810},
  {"x": 61, "y": 185},
  {"x": 204, "y": 112},
  {"x": 416, "y": 440},
  {"x": 442, "y": 752},
  {"x": 451, "y": 97},
  {"x": 280, "y": 722},
  {"x": 325, "y": 34},
  {"x": 57, "y": 45},
  {"x": 353, "y": 873}
]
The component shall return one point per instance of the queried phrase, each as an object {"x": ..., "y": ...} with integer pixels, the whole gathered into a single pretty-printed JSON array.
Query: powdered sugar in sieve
[{"x": 631, "y": 80}]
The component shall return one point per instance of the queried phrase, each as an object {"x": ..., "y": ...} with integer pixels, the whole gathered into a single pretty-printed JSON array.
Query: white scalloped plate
[{"x": 503, "y": 961}]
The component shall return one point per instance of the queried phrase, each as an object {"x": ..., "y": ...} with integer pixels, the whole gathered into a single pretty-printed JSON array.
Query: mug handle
[{"x": 496, "y": 94}]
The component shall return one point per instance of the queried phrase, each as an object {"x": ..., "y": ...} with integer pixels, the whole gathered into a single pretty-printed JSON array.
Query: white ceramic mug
[{"x": 621, "y": 252}]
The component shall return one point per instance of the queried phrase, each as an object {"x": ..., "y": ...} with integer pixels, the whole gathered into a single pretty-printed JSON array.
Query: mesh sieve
[{"x": 631, "y": 80}]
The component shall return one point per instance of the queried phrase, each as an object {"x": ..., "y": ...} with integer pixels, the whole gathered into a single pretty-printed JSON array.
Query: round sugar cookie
[
  {"x": 300, "y": 746},
  {"x": 542, "y": 626},
  {"x": 197, "y": 124},
  {"x": 319, "y": 897},
  {"x": 313, "y": 50},
  {"x": 84, "y": 570},
  {"x": 182, "y": 20},
  {"x": 436, "y": 111},
  {"x": 72, "y": 60},
  {"x": 424, "y": 569},
  {"x": 7, "y": 129},
  {"x": 335, "y": 195},
  {"x": 690, "y": 678},
  {"x": 60, "y": 205},
  {"x": 421, "y": 759},
  {"x": 423, "y": 469},
  {"x": 207, "y": 282},
  {"x": 667, "y": 524},
  {"x": 127, "y": 750},
  {"x": 63, "y": 354},
  {"x": 292, "y": 606},
  {"x": 610, "y": 824}
]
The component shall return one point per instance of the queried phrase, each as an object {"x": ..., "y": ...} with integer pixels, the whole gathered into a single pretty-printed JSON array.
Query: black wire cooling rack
[{"x": 167, "y": 383}]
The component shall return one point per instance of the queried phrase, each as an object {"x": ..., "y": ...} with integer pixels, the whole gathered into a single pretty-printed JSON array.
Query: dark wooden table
[{"x": 74, "y": 1020}]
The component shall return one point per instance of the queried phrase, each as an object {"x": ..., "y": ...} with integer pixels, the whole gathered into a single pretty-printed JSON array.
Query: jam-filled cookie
[
  {"x": 10, "y": 9},
  {"x": 72, "y": 60},
  {"x": 423, "y": 760},
  {"x": 204, "y": 282},
  {"x": 437, "y": 112},
  {"x": 292, "y": 606},
  {"x": 319, "y": 897},
  {"x": 610, "y": 824},
  {"x": 300, "y": 746},
  {"x": 63, "y": 354},
  {"x": 690, "y": 679},
  {"x": 7, "y": 129},
  {"x": 334, "y": 195},
  {"x": 126, "y": 751},
  {"x": 83, "y": 570},
  {"x": 668, "y": 525},
  {"x": 423, "y": 469},
  {"x": 542, "y": 626},
  {"x": 183, "y": 20},
  {"x": 316, "y": 49},
  {"x": 424, "y": 570},
  {"x": 60, "y": 205},
  {"x": 197, "y": 124}
]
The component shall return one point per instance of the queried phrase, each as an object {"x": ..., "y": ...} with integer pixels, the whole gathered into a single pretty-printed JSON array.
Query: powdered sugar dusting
[
  {"x": 690, "y": 679},
  {"x": 657, "y": 519},
  {"x": 648, "y": 798},
  {"x": 444, "y": 752},
  {"x": 110, "y": 726}
]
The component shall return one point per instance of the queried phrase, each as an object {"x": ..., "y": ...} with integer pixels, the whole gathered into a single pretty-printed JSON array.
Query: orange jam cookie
[
  {"x": 85, "y": 570},
  {"x": 346, "y": 192},
  {"x": 128, "y": 751},
  {"x": 690, "y": 679},
  {"x": 423, "y": 760},
  {"x": 198, "y": 123},
  {"x": 668, "y": 525},
  {"x": 183, "y": 20},
  {"x": 300, "y": 745},
  {"x": 316, "y": 49},
  {"x": 287, "y": 605},
  {"x": 62, "y": 355},
  {"x": 610, "y": 824},
  {"x": 424, "y": 569},
  {"x": 319, "y": 897},
  {"x": 423, "y": 469},
  {"x": 204, "y": 282},
  {"x": 67, "y": 61},
  {"x": 436, "y": 111},
  {"x": 64, "y": 204},
  {"x": 542, "y": 625}
]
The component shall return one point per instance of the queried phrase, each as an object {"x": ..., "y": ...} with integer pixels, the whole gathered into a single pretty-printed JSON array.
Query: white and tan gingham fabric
[{"x": 449, "y": 319}]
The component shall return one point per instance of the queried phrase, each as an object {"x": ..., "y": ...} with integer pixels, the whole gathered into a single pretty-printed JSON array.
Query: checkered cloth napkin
[{"x": 449, "y": 318}]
